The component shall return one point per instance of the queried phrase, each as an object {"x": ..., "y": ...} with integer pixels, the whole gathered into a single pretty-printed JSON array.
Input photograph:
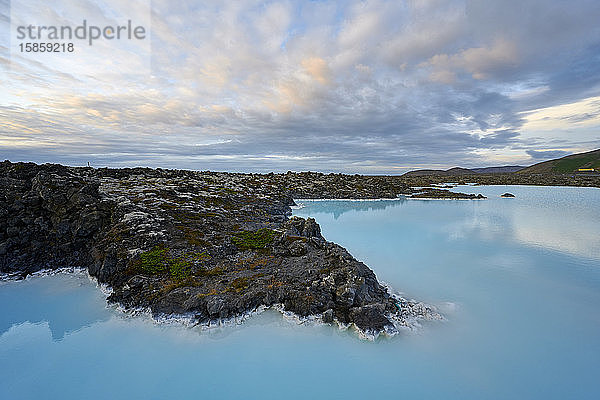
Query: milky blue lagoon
[{"x": 517, "y": 279}]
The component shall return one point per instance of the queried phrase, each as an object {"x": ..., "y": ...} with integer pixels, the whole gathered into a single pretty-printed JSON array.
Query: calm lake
[{"x": 518, "y": 280}]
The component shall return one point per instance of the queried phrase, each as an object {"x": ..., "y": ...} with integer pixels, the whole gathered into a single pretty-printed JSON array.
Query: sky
[{"x": 372, "y": 87}]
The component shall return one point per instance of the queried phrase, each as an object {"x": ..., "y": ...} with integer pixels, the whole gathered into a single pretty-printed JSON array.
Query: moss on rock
[{"x": 254, "y": 240}]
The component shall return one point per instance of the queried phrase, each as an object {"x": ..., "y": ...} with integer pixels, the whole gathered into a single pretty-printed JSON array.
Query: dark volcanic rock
[
  {"x": 49, "y": 217},
  {"x": 211, "y": 245},
  {"x": 371, "y": 318},
  {"x": 507, "y": 195},
  {"x": 430, "y": 193}
]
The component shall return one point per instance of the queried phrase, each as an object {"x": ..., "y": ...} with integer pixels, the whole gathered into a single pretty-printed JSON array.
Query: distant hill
[
  {"x": 566, "y": 165},
  {"x": 448, "y": 172},
  {"x": 498, "y": 170},
  {"x": 464, "y": 171}
]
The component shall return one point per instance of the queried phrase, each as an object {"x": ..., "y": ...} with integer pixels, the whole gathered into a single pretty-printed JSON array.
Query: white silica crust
[
  {"x": 11, "y": 277},
  {"x": 356, "y": 200},
  {"x": 412, "y": 313}
]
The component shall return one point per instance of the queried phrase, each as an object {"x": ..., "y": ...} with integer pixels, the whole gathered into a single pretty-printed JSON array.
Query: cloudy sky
[{"x": 347, "y": 86}]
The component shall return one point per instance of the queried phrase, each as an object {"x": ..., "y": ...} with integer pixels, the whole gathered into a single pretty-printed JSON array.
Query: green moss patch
[
  {"x": 157, "y": 261},
  {"x": 154, "y": 261},
  {"x": 180, "y": 269},
  {"x": 254, "y": 240}
]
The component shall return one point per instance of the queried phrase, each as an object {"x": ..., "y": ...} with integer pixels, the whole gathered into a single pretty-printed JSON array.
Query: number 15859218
[{"x": 46, "y": 47}]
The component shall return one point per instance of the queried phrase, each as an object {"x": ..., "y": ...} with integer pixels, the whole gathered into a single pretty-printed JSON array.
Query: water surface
[{"x": 518, "y": 280}]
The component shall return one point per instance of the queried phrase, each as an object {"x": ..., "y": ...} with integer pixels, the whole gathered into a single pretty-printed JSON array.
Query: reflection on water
[
  {"x": 564, "y": 219},
  {"x": 561, "y": 218},
  {"x": 64, "y": 302},
  {"x": 339, "y": 207}
]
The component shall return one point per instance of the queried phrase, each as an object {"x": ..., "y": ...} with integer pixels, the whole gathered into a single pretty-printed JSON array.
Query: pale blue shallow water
[{"x": 518, "y": 280}]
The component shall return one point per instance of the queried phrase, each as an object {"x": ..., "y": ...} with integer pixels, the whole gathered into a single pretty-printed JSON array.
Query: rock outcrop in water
[
  {"x": 431, "y": 193},
  {"x": 210, "y": 245}
]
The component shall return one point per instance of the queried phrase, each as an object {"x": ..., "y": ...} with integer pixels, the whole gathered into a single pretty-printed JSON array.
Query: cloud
[
  {"x": 584, "y": 112},
  {"x": 480, "y": 62},
  {"x": 317, "y": 68},
  {"x": 359, "y": 86},
  {"x": 547, "y": 154}
]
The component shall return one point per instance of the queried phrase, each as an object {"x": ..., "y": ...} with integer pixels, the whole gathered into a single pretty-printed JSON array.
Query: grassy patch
[
  {"x": 211, "y": 293},
  {"x": 157, "y": 261},
  {"x": 154, "y": 261},
  {"x": 210, "y": 272},
  {"x": 239, "y": 284},
  {"x": 242, "y": 283},
  {"x": 254, "y": 240},
  {"x": 572, "y": 164},
  {"x": 180, "y": 269},
  {"x": 293, "y": 238},
  {"x": 195, "y": 238}
]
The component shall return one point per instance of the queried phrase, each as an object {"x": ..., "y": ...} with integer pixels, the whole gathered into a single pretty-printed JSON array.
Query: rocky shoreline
[
  {"x": 210, "y": 245},
  {"x": 578, "y": 180},
  {"x": 431, "y": 193}
]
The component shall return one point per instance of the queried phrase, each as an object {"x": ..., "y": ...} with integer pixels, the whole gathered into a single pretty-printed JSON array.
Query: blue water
[{"x": 517, "y": 279}]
